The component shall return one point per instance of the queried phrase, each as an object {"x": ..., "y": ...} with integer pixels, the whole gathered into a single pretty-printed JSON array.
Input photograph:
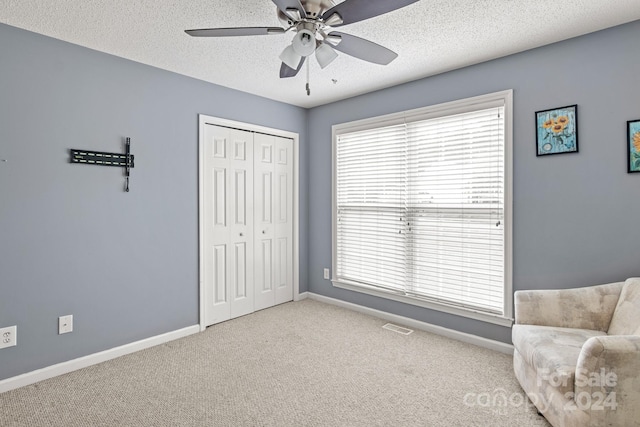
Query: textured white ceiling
[{"x": 430, "y": 36}]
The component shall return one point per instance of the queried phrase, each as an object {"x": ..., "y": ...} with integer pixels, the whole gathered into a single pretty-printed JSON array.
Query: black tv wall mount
[{"x": 101, "y": 158}]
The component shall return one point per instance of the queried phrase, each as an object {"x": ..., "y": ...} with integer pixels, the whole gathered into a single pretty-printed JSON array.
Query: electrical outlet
[
  {"x": 327, "y": 274},
  {"x": 8, "y": 336},
  {"x": 65, "y": 324}
]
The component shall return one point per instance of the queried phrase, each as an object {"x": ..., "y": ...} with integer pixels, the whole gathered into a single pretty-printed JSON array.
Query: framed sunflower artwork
[
  {"x": 557, "y": 131},
  {"x": 633, "y": 146}
]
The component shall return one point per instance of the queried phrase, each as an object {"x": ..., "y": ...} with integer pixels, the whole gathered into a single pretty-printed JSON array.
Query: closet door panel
[
  {"x": 283, "y": 229},
  {"x": 228, "y": 223},
  {"x": 265, "y": 246},
  {"x": 241, "y": 229}
]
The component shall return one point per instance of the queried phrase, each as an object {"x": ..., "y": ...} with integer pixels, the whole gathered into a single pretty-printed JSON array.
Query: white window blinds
[
  {"x": 372, "y": 207},
  {"x": 420, "y": 208}
]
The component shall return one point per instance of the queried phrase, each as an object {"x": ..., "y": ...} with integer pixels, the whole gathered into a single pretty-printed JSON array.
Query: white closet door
[
  {"x": 228, "y": 223},
  {"x": 283, "y": 208},
  {"x": 265, "y": 246},
  {"x": 273, "y": 189}
]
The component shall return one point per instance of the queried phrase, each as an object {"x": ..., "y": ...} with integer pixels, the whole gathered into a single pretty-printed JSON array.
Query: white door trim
[{"x": 203, "y": 121}]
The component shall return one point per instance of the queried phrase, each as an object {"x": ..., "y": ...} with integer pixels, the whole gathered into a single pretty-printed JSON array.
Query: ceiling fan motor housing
[{"x": 313, "y": 8}]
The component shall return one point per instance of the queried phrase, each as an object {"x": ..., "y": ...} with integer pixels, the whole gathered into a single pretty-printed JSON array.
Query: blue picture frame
[
  {"x": 557, "y": 131},
  {"x": 633, "y": 146}
]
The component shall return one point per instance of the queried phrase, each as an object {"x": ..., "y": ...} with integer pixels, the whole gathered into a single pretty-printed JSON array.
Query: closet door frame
[{"x": 210, "y": 120}]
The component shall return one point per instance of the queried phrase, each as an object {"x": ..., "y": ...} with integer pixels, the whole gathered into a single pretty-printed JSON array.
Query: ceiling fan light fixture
[
  {"x": 290, "y": 57},
  {"x": 304, "y": 43},
  {"x": 325, "y": 55}
]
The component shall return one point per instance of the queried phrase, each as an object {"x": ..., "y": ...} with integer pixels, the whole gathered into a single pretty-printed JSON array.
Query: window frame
[{"x": 504, "y": 98}]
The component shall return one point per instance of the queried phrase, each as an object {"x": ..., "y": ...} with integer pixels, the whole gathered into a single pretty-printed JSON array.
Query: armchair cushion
[
  {"x": 552, "y": 352},
  {"x": 626, "y": 318}
]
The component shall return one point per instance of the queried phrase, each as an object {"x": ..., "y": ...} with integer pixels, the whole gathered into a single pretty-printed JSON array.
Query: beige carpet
[{"x": 298, "y": 364}]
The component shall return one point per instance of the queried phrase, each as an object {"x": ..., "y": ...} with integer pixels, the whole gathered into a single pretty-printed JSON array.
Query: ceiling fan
[{"x": 312, "y": 21}]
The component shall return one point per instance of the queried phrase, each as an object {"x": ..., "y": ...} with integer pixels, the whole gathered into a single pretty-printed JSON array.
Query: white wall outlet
[
  {"x": 327, "y": 274},
  {"x": 65, "y": 324},
  {"x": 8, "y": 336}
]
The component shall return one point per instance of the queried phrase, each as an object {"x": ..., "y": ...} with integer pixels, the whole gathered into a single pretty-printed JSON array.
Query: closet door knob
[
  {"x": 263, "y": 231},
  {"x": 241, "y": 234}
]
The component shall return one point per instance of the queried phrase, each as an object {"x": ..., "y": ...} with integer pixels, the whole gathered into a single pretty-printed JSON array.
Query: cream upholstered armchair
[{"x": 577, "y": 353}]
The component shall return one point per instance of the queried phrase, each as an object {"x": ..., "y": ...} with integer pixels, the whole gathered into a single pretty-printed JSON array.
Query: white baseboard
[
  {"x": 415, "y": 324},
  {"x": 92, "y": 359},
  {"x": 303, "y": 295}
]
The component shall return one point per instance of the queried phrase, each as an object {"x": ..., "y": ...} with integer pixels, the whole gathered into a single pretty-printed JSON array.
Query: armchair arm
[
  {"x": 581, "y": 308},
  {"x": 608, "y": 379}
]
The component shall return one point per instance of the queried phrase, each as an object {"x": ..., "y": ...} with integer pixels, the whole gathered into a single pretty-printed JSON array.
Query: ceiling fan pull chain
[{"x": 308, "y": 87}]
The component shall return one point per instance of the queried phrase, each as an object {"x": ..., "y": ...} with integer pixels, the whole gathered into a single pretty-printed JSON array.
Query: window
[{"x": 422, "y": 207}]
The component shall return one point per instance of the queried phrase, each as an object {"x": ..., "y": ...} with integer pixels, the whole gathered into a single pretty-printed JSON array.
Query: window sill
[{"x": 433, "y": 305}]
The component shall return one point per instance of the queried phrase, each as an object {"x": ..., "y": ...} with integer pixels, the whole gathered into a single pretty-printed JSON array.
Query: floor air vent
[{"x": 398, "y": 329}]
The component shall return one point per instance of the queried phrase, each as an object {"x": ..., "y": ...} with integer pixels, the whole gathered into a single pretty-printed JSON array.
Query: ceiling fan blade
[
  {"x": 286, "y": 71},
  {"x": 358, "y": 10},
  {"x": 362, "y": 49},
  {"x": 232, "y": 32},
  {"x": 283, "y": 5}
]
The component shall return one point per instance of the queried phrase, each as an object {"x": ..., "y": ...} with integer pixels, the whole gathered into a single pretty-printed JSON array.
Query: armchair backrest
[{"x": 626, "y": 317}]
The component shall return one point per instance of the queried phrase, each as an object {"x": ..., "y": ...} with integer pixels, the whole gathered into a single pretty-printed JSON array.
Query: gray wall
[
  {"x": 575, "y": 215},
  {"x": 126, "y": 264},
  {"x": 71, "y": 241}
]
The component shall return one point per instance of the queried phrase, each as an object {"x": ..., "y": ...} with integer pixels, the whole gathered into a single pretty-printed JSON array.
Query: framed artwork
[
  {"x": 557, "y": 131},
  {"x": 633, "y": 146}
]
